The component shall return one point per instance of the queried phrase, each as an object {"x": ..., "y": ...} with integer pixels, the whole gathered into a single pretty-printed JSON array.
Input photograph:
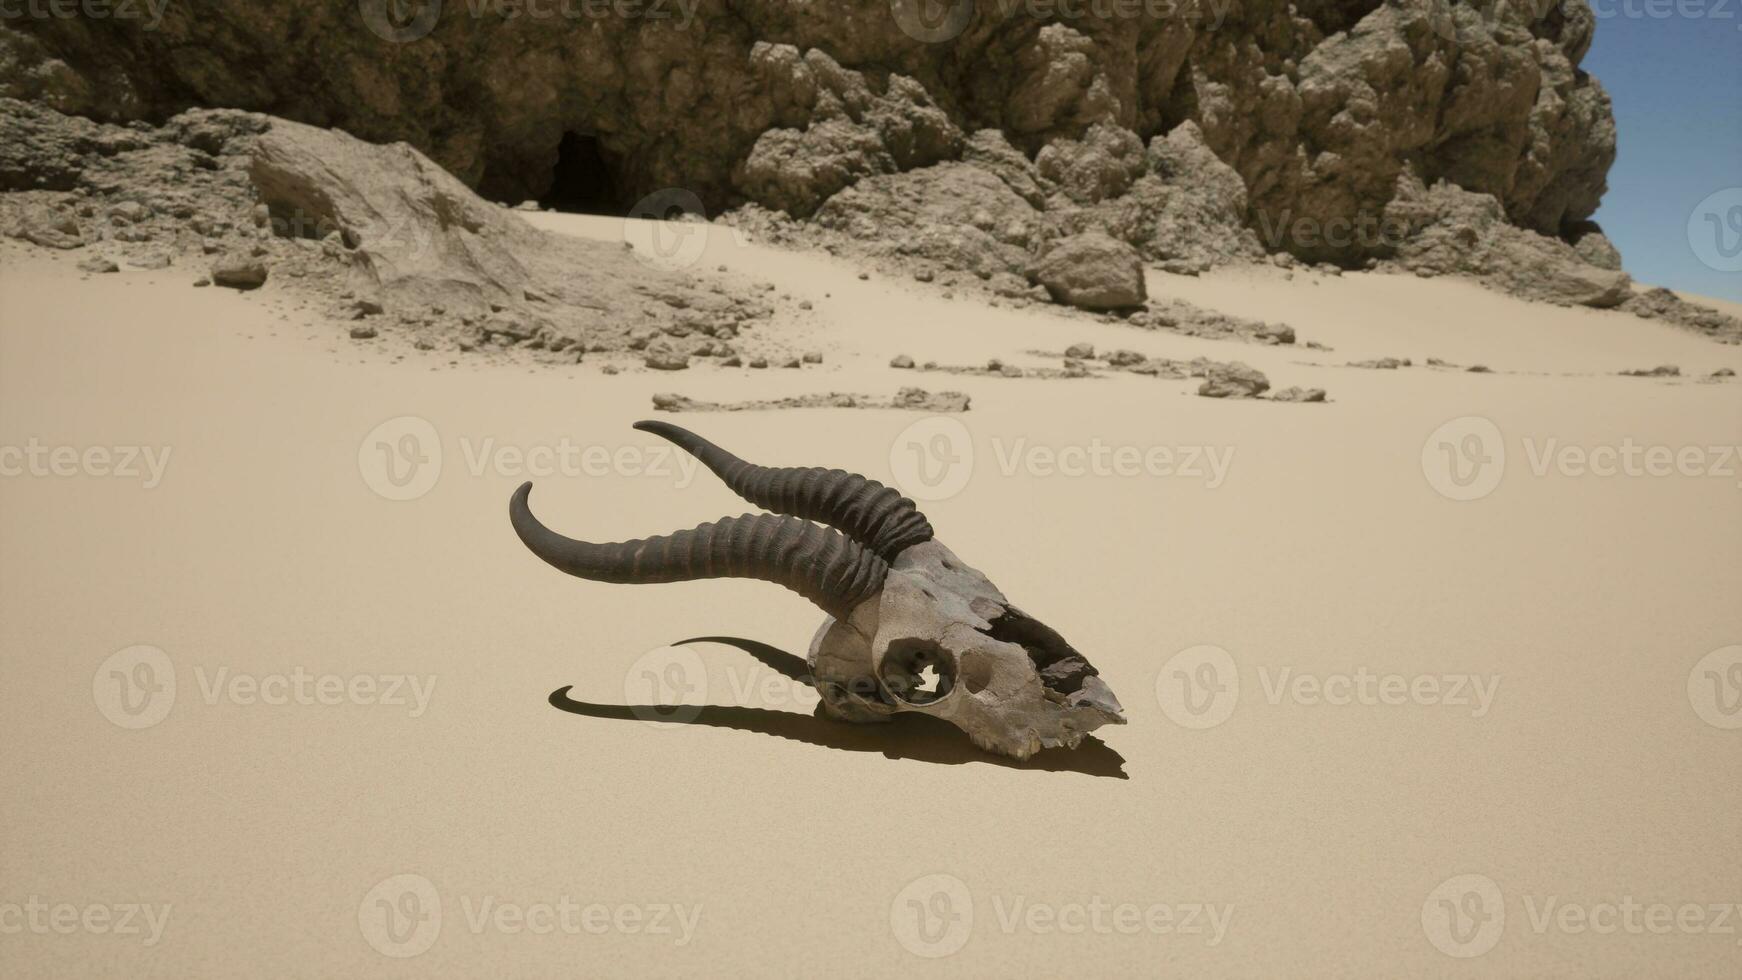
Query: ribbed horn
[
  {"x": 817, "y": 563},
  {"x": 870, "y": 513}
]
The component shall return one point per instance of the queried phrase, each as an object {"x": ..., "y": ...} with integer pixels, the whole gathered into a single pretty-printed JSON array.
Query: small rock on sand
[
  {"x": 239, "y": 272},
  {"x": 663, "y": 359},
  {"x": 98, "y": 265},
  {"x": 901, "y": 361},
  {"x": 1233, "y": 380},
  {"x": 1661, "y": 371},
  {"x": 1299, "y": 395},
  {"x": 1081, "y": 352}
]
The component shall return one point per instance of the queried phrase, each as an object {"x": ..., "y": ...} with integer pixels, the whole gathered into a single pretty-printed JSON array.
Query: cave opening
[{"x": 584, "y": 179}]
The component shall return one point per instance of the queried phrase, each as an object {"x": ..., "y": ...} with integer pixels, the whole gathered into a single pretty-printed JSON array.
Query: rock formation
[{"x": 1318, "y": 107}]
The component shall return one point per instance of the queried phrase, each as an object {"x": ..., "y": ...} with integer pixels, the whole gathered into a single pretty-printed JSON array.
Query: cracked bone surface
[{"x": 910, "y": 628}]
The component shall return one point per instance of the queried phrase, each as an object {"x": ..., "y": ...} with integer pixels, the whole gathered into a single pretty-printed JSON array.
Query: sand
[{"x": 1294, "y": 836}]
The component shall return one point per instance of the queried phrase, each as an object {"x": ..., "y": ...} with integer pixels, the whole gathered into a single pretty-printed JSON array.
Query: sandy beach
[{"x": 1406, "y": 687}]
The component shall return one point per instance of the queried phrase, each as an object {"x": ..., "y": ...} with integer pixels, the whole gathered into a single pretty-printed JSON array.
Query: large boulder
[
  {"x": 1092, "y": 271},
  {"x": 416, "y": 232}
]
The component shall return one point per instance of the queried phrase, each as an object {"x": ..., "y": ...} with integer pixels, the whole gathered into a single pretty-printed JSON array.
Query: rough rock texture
[
  {"x": 1446, "y": 230},
  {"x": 1318, "y": 107},
  {"x": 368, "y": 231},
  {"x": 1092, "y": 271},
  {"x": 907, "y": 399}
]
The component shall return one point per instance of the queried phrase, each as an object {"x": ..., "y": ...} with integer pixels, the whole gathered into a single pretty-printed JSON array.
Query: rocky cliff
[{"x": 1323, "y": 108}]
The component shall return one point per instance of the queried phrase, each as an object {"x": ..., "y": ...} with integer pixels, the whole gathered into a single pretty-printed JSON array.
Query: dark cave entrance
[{"x": 584, "y": 178}]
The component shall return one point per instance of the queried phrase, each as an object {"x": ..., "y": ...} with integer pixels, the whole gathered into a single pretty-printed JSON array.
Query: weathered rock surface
[
  {"x": 1317, "y": 108},
  {"x": 1451, "y": 231},
  {"x": 364, "y": 230},
  {"x": 1092, "y": 271},
  {"x": 908, "y": 399}
]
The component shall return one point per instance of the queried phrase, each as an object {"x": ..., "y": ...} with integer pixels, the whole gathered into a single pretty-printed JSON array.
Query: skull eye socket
[{"x": 918, "y": 671}]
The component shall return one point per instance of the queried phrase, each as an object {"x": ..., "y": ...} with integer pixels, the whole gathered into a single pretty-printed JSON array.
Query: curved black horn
[
  {"x": 817, "y": 563},
  {"x": 870, "y": 513}
]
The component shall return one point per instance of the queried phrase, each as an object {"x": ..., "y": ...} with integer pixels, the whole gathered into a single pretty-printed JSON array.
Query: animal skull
[{"x": 900, "y": 604}]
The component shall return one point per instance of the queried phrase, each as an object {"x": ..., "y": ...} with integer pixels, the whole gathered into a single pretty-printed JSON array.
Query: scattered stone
[
  {"x": 1298, "y": 395},
  {"x": 1124, "y": 358},
  {"x": 363, "y": 331},
  {"x": 1233, "y": 380},
  {"x": 1661, "y": 371},
  {"x": 1382, "y": 363},
  {"x": 759, "y": 362},
  {"x": 1723, "y": 373},
  {"x": 1081, "y": 352},
  {"x": 150, "y": 260},
  {"x": 901, "y": 361},
  {"x": 910, "y": 399},
  {"x": 791, "y": 362},
  {"x": 202, "y": 282},
  {"x": 666, "y": 359},
  {"x": 813, "y": 357},
  {"x": 238, "y": 271},
  {"x": 98, "y": 264},
  {"x": 1479, "y": 369}
]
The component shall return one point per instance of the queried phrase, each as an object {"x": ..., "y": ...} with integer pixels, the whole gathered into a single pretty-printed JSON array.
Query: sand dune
[{"x": 1546, "y": 633}]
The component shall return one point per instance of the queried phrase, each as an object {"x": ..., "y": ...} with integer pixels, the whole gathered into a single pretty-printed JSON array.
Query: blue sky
[{"x": 1676, "y": 80}]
